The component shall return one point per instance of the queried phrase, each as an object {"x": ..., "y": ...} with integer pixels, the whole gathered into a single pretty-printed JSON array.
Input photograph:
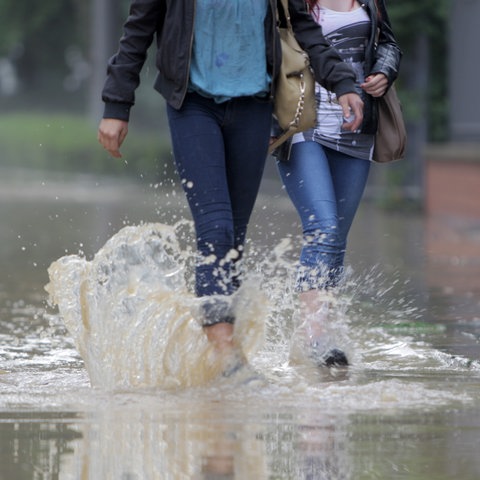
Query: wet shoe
[
  {"x": 242, "y": 374},
  {"x": 333, "y": 358},
  {"x": 330, "y": 357},
  {"x": 233, "y": 369}
]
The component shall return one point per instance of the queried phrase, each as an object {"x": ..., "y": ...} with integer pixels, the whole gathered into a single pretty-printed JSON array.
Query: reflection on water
[
  {"x": 407, "y": 408},
  {"x": 154, "y": 439}
]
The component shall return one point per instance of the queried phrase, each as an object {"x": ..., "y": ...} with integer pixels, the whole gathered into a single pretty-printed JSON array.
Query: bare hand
[
  {"x": 375, "y": 85},
  {"x": 111, "y": 134},
  {"x": 352, "y": 106}
]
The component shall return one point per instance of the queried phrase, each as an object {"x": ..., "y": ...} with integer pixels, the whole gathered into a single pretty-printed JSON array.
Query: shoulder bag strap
[{"x": 286, "y": 14}]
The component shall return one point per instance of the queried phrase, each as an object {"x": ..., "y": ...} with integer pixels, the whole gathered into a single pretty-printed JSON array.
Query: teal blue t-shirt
[{"x": 228, "y": 58}]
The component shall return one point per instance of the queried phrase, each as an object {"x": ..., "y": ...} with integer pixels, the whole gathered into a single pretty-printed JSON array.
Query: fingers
[
  {"x": 377, "y": 91},
  {"x": 357, "y": 111},
  {"x": 111, "y": 134},
  {"x": 352, "y": 107},
  {"x": 375, "y": 85}
]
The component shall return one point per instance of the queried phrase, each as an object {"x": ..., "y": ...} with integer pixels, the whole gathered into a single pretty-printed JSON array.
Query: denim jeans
[
  {"x": 220, "y": 151},
  {"x": 326, "y": 187}
]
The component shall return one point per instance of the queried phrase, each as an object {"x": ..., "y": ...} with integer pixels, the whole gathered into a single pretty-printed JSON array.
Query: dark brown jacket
[{"x": 171, "y": 24}]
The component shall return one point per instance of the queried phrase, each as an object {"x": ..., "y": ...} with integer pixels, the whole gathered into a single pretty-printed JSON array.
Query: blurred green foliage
[
  {"x": 411, "y": 20},
  {"x": 37, "y": 37},
  {"x": 68, "y": 143}
]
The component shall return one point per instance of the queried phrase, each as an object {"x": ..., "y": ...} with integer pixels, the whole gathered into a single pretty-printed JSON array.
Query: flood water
[{"x": 409, "y": 319}]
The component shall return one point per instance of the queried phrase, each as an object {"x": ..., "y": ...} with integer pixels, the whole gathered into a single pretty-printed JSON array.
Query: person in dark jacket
[
  {"x": 325, "y": 169},
  {"x": 217, "y": 63}
]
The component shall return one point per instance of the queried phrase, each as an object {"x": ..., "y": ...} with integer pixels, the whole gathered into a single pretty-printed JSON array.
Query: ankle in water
[{"x": 220, "y": 335}]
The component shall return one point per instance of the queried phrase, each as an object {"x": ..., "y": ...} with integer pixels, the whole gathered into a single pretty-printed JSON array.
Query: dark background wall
[{"x": 464, "y": 67}]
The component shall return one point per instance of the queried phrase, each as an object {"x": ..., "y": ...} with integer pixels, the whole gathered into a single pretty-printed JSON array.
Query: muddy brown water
[{"x": 409, "y": 406}]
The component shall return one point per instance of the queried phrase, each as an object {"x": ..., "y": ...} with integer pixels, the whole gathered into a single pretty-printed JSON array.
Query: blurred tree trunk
[
  {"x": 417, "y": 81},
  {"x": 464, "y": 72},
  {"x": 105, "y": 25}
]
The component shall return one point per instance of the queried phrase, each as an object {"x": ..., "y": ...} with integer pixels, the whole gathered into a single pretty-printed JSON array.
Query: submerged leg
[
  {"x": 326, "y": 187},
  {"x": 316, "y": 309},
  {"x": 221, "y": 336}
]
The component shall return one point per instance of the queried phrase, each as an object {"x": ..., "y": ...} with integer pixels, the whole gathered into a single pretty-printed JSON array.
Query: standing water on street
[{"x": 107, "y": 374}]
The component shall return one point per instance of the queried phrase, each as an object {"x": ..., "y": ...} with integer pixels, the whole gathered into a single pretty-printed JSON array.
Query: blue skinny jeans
[
  {"x": 220, "y": 151},
  {"x": 326, "y": 187}
]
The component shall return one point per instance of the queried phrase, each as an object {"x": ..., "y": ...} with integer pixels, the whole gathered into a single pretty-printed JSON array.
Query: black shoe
[{"x": 333, "y": 358}]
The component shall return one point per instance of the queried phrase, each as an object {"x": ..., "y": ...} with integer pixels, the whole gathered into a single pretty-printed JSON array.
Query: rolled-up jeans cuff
[
  {"x": 216, "y": 311},
  {"x": 318, "y": 278}
]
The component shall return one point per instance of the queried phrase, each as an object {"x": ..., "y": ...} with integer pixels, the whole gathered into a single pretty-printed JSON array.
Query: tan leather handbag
[
  {"x": 294, "y": 103},
  {"x": 391, "y": 137}
]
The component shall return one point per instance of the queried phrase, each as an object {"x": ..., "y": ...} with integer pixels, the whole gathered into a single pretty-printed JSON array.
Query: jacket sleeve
[
  {"x": 123, "y": 71},
  {"x": 388, "y": 54},
  {"x": 330, "y": 70}
]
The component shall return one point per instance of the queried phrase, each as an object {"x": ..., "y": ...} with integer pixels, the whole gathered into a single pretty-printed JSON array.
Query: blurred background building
[{"x": 52, "y": 66}]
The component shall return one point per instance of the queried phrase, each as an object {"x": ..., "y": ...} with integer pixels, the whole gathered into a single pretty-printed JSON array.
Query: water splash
[
  {"x": 133, "y": 318},
  {"x": 135, "y": 322}
]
